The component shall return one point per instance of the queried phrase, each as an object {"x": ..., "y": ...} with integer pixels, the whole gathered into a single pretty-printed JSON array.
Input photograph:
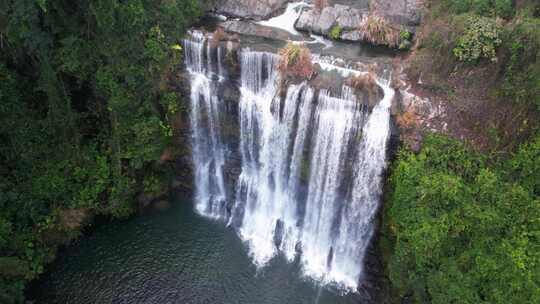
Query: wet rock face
[{"x": 250, "y": 9}]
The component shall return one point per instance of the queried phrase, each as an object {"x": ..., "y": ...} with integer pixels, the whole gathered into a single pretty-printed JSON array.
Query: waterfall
[
  {"x": 311, "y": 165},
  {"x": 268, "y": 210},
  {"x": 337, "y": 123},
  {"x": 208, "y": 150}
]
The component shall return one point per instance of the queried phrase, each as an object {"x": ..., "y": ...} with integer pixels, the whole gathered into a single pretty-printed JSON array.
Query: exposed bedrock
[
  {"x": 322, "y": 22},
  {"x": 344, "y": 19},
  {"x": 400, "y": 12},
  {"x": 249, "y": 9}
]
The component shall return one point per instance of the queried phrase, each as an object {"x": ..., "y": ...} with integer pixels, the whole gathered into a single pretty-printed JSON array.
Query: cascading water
[
  {"x": 337, "y": 123},
  {"x": 208, "y": 150},
  {"x": 267, "y": 210},
  {"x": 311, "y": 165}
]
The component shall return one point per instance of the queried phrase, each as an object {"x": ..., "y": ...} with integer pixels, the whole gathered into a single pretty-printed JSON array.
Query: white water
[
  {"x": 336, "y": 123},
  {"x": 311, "y": 168},
  {"x": 208, "y": 151},
  {"x": 287, "y": 20}
]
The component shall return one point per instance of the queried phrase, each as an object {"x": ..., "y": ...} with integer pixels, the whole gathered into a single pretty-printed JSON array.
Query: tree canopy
[{"x": 84, "y": 114}]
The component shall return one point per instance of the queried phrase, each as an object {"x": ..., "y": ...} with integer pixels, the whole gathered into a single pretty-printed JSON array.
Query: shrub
[
  {"x": 363, "y": 82},
  {"x": 405, "y": 38},
  {"x": 501, "y": 8},
  {"x": 480, "y": 40},
  {"x": 522, "y": 73},
  {"x": 405, "y": 35},
  {"x": 295, "y": 61},
  {"x": 377, "y": 30},
  {"x": 408, "y": 120},
  {"x": 335, "y": 32},
  {"x": 462, "y": 229}
]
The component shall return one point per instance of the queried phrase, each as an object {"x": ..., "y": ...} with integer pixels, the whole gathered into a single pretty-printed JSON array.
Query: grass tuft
[
  {"x": 377, "y": 30},
  {"x": 364, "y": 82},
  {"x": 295, "y": 61}
]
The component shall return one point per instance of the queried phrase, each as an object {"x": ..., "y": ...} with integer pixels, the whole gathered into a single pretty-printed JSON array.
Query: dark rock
[
  {"x": 144, "y": 200},
  {"x": 162, "y": 205}
]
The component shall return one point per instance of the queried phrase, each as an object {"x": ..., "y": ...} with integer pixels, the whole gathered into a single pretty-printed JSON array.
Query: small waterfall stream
[
  {"x": 311, "y": 164},
  {"x": 207, "y": 144}
]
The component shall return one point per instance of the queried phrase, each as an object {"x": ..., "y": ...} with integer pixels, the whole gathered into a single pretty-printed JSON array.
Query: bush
[
  {"x": 363, "y": 82},
  {"x": 522, "y": 75},
  {"x": 464, "y": 232},
  {"x": 405, "y": 35},
  {"x": 377, "y": 30},
  {"x": 407, "y": 120},
  {"x": 335, "y": 32},
  {"x": 295, "y": 61},
  {"x": 480, "y": 40},
  {"x": 500, "y": 8}
]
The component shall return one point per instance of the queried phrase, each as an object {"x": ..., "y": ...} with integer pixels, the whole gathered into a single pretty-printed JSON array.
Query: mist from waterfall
[{"x": 311, "y": 165}]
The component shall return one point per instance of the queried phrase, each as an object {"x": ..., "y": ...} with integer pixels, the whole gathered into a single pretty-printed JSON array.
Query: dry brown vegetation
[
  {"x": 377, "y": 30},
  {"x": 407, "y": 120},
  {"x": 364, "y": 82},
  {"x": 320, "y": 4},
  {"x": 295, "y": 61}
]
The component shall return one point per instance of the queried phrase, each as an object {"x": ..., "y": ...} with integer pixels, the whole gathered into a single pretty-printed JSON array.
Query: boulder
[
  {"x": 249, "y": 9},
  {"x": 347, "y": 18},
  {"x": 400, "y": 12},
  {"x": 307, "y": 19},
  {"x": 351, "y": 36},
  {"x": 326, "y": 21}
]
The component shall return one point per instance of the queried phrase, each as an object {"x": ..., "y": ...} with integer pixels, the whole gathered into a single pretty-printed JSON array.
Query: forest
[
  {"x": 462, "y": 218},
  {"x": 84, "y": 107}
]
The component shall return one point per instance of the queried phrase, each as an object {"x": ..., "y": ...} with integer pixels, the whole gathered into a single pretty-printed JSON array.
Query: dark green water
[{"x": 173, "y": 256}]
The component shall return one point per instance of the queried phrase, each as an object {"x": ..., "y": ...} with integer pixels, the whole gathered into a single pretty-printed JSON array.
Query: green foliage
[
  {"x": 82, "y": 96},
  {"x": 501, "y": 8},
  {"x": 525, "y": 166},
  {"x": 522, "y": 73},
  {"x": 405, "y": 35},
  {"x": 480, "y": 40},
  {"x": 405, "y": 38},
  {"x": 335, "y": 32},
  {"x": 465, "y": 232}
]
